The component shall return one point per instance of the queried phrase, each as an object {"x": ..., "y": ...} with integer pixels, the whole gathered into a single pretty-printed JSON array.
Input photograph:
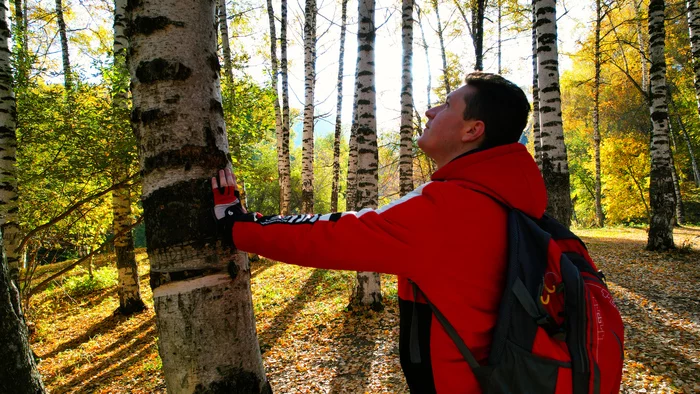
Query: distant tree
[
  {"x": 441, "y": 36},
  {"x": 596, "y": 113},
  {"x": 339, "y": 108},
  {"x": 129, "y": 289},
  {"x": 694, "y": 32},
  {"x": 285, "y": 183},
  {"x": 201, "y": 292},
  {"x": 368, "y": 287},
  {"x": 406, "y": 131},
  {"x": 661, "y": 194},
  {"x": 424, "y": 44},
  {"x": 67, "y": 72},
  {"x": 307, "y": 139}
]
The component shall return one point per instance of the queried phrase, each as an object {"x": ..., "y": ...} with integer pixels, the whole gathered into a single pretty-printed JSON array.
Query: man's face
[{"x": 442, "y": 138}]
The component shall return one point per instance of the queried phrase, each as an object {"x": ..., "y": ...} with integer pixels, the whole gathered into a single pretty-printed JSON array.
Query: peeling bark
[{"x": 206, "y": 327}]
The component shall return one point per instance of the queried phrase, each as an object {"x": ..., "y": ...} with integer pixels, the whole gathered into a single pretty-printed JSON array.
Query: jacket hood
[{"x": 506, "y": 172}]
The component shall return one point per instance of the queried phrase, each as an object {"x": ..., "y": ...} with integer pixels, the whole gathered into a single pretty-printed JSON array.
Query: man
[{"x": 446, "y": 236}]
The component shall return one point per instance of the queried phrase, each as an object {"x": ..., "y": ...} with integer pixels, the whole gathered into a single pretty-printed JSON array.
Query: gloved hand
[{"x": 227, "y": 205}]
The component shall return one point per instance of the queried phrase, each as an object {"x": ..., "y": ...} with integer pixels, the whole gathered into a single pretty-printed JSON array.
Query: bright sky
[{"x": 516, "y": 58}]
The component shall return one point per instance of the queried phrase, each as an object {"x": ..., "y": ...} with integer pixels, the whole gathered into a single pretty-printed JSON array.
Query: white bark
[
  {"x": 555, "y": 169},
  {"x": 307, "y": 139},
  {"x": 536, "y": 136},
  {"x": 207, "y": 339},
  {"x": 339, "y": 106},
  {"x": 286, "y": 182},
  {"x": 406, "y": 131},
  {"x": 8, "y": 146},
  {"x": 661, "y": 194},
  {"x": 368, "y": 289}
]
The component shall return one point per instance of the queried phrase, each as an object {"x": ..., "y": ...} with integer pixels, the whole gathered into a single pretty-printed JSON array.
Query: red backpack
[{"x": 558, "y": 329}]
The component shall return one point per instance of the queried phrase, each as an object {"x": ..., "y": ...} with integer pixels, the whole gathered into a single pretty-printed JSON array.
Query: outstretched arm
[{"x": 385, "y": 240}]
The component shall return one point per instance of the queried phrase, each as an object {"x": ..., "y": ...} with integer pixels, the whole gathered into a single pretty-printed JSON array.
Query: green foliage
[{"x": 101, "y": 278}]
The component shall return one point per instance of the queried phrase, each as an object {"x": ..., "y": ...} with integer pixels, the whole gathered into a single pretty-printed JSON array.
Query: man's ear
[{"x": 474, "y": 131}]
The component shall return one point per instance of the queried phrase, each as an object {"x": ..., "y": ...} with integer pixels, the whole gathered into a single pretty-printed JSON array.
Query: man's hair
[{"x": 500, "y": 104}]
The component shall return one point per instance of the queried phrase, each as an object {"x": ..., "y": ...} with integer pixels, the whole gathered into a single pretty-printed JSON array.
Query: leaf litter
[{"x": 311, "y": 342}]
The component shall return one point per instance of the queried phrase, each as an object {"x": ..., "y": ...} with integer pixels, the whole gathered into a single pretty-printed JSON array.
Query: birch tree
[
  {"x": 129, "y": 285},
  {"x": 694, "y": 31},
  {"x": 406, "y": 130},
  {"x": 67, "y": 73},
  {"x": 204, "y": 312},
  {"x": 596, "y": 114},
  {"x": 424, "y": 44},
  {"x": 661, "y": 194},
  {"x": 225, "y": 43},
  {"x": 9, "y": 218},
  {"x": 440, "y": 32},
  {"x": 367, "y": 290},
  {"x": 285, "y": 173},
  {"x": 536, "y": 134},
  {"x": 338, "y": 108},
  {"x": 555, "y": 168},
  {"x": 18, "y": 372},
  {"x": 307, "y": 139}
]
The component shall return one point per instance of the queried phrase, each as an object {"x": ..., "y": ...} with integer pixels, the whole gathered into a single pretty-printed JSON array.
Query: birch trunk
[
  {"x": 9, "y": 224},
  {"x": 427, "y": 55},
  {"x": 694, "y": 28},
  {"x": 406, "y": 130},
  {"x": 21, "y": 45},
  {"x": 661, "y": 194},
  {"x": 338, "y": 109},
  {"x": 500, "y": 17},
  {"x": 67, "y": 74},
  {"x": 679, "y": 209},
  {"x": 536, "y": 135},
  {"x": 478, "y": 23},
  {"x": 225, "y": 44},
  {"x": 18, "y": 372},
  {"x": 129, "y": 285},
  {"x": 693, "y": 160},
  {"x": 555, "y": 169},
  {"x": 307, "y": 139},
  {"x": 445, "y": 77},
  {"x": 642, "y": 47},
  {"x": 285, "y": 175},
  {"x": 276, "y": 103},
  {"x": 368, "y": 287},
  {"x": 596, "y": 117},
  {"x": 205, "y": 321}
]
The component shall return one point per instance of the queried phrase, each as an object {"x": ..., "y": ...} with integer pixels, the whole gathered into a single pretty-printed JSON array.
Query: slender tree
[
  {"x": 440, "y": 32},
  {"x": 338, "y": 108},
  {"x": 67, "y": 73},
  {"x": 694, "y": 29},
  {"x": 9, "y": 219},
  {"x": 276, "y": 103},
  {"x": 642, "y": 46},
  {"x": 555, "y": 168},
  {"x": 307, "y": 139},
  {"x": 201, "y": 292},
  {"x": 406, "y": 131},
  {"x": 368, "y": 287},
  {"x": 596, "y": 114},
  {"x": 285, "y": 173},
  {"x": 478, "y": 13},
  {"x": 424, "y": 44},
  {"x": 661, "y": 194},
  {"x": 693, "y": 160},
  {"x": 536, "y": 134},
  {"x": 18, "y": 373},
  {"x": 499, "y": 18},
  {"x": 225, "y": 43},
  {"x": 129, "y": 285}
]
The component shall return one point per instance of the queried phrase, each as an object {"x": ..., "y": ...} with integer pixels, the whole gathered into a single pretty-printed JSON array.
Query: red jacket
[{"x": 446, "y": 237}]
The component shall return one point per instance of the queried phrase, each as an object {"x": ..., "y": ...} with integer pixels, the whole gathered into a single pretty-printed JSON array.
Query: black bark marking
[
  {"x": 173, "y": 100},
  {"x": 147, "y": 25},
  {"x": 161, "y": 70},
  {"x": 186, "y": 157},
  {"x": 236, "y": 381},
  {"x": 216, "y": 107}
]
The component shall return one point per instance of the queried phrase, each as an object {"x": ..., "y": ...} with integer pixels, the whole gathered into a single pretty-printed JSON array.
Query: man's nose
[{"x": 430, "y": 113}]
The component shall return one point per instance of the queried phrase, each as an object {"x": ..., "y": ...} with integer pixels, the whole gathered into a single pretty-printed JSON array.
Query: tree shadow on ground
[
  {"x": 260, "y": 266},
  {"x": 145, "y": 333},
  {"x": 105, "y": 325},
  {"x": 651, "y": 341},
  {"x": 285, "y": 318},
  {"x": 354, "y": 368}
]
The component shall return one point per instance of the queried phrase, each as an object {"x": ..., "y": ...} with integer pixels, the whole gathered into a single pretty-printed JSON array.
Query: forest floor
[{"x": 312, "y": 344}]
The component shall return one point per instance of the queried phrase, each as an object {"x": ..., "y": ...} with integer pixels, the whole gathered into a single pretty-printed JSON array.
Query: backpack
[{"x": 558, "y": 329}]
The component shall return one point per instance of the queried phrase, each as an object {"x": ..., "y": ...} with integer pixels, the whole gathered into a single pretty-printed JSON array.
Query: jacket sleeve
[{"x": 387, "y": 240}]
